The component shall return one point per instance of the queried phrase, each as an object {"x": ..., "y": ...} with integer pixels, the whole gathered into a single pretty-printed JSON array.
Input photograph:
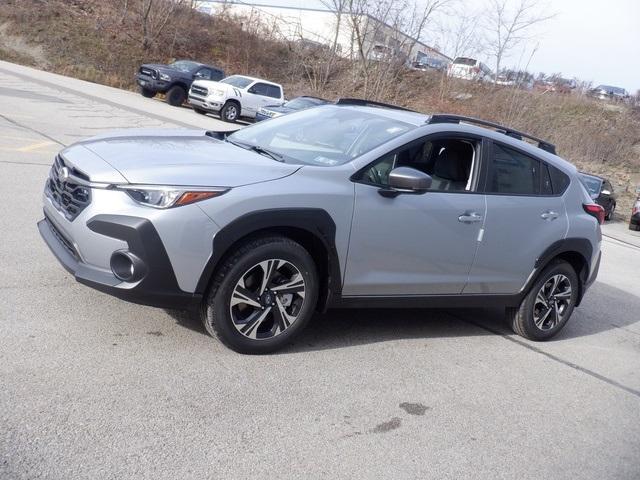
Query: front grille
[
  {"x": 149, "y": 72},
  {"x": 199, "y": 91},
  {"x": 68, "y": 197},
  {"x": 62, "y": 239}
]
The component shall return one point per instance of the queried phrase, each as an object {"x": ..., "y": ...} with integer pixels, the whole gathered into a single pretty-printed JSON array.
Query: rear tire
[
  {"x": 230, "y": 112},
  {"x": 176, "y": 96},
  {"x": 262, "y": 296},
  {"x": 145, "y": 92},
  {"x": 548, "y": 305},
  {"x": 609, "y": 215}
]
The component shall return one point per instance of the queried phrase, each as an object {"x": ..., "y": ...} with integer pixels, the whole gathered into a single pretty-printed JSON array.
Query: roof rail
[
  {"x": 446, "y": 118},
  {"x": 369, "y": 103}
]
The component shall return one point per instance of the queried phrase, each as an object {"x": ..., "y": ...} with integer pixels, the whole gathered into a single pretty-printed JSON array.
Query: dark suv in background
[
  {"x": 601, "y": 192},
  {"x": 175, "y": 79}
]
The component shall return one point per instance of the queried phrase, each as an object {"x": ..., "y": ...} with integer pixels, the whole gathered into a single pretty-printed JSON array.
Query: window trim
[
  {"x": 478, "y": 168},
  {"x": 489, "y": 171}
]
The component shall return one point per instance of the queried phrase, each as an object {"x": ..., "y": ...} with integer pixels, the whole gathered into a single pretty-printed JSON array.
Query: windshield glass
[
  {"x": 184, "y": 65},
  {"x": 592, "y": 184},
  {"x": 237, "y": 81},
  {"x": 323, "y": 136},
  {"x": 300, "y": 103}
]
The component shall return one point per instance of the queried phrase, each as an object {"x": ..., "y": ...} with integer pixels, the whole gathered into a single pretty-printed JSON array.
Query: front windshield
[
  {"x": 237, "y": 81},
  {"x": 323, "y": 136},
  {"x": 184, "y": 65},
  {"x": 592, "y": 184}
]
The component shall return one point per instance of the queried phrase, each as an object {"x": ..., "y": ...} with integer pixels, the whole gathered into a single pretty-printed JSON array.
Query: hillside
[{"x": 104, "y": 42}]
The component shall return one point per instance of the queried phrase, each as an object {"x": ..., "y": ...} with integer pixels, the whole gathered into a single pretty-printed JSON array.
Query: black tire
[
  {"x": 145, "y": 92},
  {"x": 199, "y": 110},
  {"x": 218, "y": 313},
  {"x": 176, "y": 96},
  {"x": 522, "y": 319},
  {"x": 609, "y": 215},
  {"x": 230, "y": 112}
]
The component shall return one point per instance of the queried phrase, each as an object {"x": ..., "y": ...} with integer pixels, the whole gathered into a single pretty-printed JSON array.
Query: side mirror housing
[
  {"x": 606, "y": 192},
  {"x": 406, "y": 180}
]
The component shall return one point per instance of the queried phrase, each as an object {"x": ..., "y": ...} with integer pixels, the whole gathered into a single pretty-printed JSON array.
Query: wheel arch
[
  {"x": 313, "y": 228},
  {"x": 575, "y": 251}
]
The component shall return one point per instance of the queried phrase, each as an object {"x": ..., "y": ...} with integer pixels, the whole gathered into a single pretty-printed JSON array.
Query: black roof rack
[
  {"x": 445, "y": 118},
  {"x": 369, "y": 103}
]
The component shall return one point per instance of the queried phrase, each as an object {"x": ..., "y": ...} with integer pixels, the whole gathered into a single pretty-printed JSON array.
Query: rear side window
[
  {"x": 465, "y": 61},
  {"x": 273, "y": 91},
  {"x": 513, "y": 173},
  {"x": 559, "y": 180}
]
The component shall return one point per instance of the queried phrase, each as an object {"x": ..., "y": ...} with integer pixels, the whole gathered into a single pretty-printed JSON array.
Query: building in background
[{"x": 314, "y": 26}]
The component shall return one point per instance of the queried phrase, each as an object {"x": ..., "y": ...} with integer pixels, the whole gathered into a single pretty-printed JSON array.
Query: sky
[{"x": 593, "y": 40}]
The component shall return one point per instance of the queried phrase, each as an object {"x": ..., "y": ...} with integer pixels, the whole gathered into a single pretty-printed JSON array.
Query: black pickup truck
[{"x": 174, "y": 79}]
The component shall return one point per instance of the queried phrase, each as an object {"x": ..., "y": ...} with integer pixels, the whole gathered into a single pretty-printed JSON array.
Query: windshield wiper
[{"x": 258, "y": 149}]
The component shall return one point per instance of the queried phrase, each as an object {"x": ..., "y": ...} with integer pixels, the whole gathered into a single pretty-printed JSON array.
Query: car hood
[
  {"x": 171, "y": 157},
  {"x": 279, "y": 108},
  {"x": 163, "y": 68}
]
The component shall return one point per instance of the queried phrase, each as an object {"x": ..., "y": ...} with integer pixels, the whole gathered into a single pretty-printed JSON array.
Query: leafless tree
[
  {"x": 384, "y": 36},
  {"x": 459, "y": 34},
  {"x": 154, "y": 16},
  {"x": 508, "y": 27}
]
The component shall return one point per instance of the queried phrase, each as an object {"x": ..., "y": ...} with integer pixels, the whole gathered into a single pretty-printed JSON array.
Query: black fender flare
[{"x": 316, "y": 222}]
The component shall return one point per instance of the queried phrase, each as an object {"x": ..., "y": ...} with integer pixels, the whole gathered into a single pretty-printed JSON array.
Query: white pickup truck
[{"x": 235, "y": 96}]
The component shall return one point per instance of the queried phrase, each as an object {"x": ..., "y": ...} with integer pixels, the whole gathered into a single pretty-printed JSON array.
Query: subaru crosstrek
[{"x": 355, "y": 204}]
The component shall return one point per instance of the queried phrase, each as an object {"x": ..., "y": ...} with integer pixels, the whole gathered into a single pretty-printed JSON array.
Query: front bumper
[
  {"x": 204, "y": 104},
  {"x": 151, "y": 83},
  {"x": 158, "y": 287}
]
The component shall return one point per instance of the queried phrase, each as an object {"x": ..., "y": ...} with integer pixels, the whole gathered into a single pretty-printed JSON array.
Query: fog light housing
[{"x": 127, "y": 267}]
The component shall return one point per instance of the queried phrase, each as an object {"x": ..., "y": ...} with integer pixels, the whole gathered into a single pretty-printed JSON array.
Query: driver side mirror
[
  {"x": 251, "y": 90},
  {"x": 406, "y": 180}
]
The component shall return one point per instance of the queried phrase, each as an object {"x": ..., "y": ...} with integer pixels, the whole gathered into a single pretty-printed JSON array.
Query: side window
[
  {"x": 449, "y": 162},
  {"x": 514, "y": 173},
  {"x": 260, "y": 89},
  {"x": 545, "y": 181},
  {"x": 559, "y": 180},
  {"x": 204, "y": 73},
  {"x": 273, "y": 91}
]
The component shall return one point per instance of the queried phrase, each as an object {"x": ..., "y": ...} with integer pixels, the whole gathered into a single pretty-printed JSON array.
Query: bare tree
[
  {"x": 154, "y": 16},
  {"x": 509, "y": 27}
]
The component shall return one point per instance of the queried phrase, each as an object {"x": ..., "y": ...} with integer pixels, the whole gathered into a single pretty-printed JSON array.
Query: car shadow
[{"x": 343, "y": 328}]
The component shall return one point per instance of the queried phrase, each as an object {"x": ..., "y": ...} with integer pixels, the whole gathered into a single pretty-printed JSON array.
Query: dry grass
[{"x": 97, "y": 41}]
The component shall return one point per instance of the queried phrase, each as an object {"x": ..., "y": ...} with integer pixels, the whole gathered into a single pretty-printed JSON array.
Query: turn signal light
[
  {"x": 595, "y": 211},
  {"x": 192, "y": 197}
]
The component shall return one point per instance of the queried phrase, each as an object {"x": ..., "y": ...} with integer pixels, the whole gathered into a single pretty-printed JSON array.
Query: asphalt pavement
[{"x": 93, "y": 387}]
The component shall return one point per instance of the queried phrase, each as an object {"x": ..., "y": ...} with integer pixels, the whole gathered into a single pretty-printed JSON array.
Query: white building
[{"x": 318, "y": 26}]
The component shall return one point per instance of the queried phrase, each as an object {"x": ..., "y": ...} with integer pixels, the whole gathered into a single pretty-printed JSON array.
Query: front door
[{"x": 416, "y": 244}]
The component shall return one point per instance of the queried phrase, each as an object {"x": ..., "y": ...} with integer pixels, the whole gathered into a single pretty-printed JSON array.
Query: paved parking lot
[{"x": 93, "y": 387}]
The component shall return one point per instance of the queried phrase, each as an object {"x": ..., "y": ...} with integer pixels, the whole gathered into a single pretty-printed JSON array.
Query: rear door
[
  {"x": 525, "y": 215},
  {"x": 257, "y": 96}
]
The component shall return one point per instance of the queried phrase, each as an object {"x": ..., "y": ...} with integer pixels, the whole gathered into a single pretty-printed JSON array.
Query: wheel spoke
[
  {"x": 556, "y": 314},
  {"x": 565, "y": 294},
  {"x": 540, "y": 321},
  {"x": 243, "y": 295},
  {"x": 295, "y": 285},
  {"x": 282, "y": 318},
  {"x": 250, "y": 328},
  {"x": 540, "y": 299},
  {"x": 269, "y": 267}
]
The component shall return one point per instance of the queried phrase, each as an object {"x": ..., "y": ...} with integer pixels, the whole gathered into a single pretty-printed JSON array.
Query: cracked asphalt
[{"x": 93, "y": 387}]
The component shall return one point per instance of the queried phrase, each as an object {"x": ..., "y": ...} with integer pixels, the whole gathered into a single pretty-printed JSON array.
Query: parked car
[
  {"x": 634, "y": 221},
  {"x": 469, "y": 69},
  {"x": 175, "y": 79},
  {"x": 428, "y": 63},
  {"x": 608, "y": 92},
  {"x": 253, "y": 228},
  {"x": 601, "y": 191},
  {"x": 294, "y": 105},
  {"x": 234, "y": 97}
]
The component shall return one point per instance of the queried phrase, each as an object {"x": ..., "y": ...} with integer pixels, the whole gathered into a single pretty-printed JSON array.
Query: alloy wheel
[
  {"x": 231, "y": 112},
  {"x": 552, "y": 302},
  {"x": 267, "y": 299}
]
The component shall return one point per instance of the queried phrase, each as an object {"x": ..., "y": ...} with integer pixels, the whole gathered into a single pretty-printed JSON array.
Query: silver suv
[{"x": 352, "y": 205}]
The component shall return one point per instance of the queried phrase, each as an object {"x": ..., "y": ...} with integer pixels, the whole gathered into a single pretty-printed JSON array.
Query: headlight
[
  {"x": 167, "y": 197},
  {"x": 216, "y": 93},
  {"x": 165, "y": 77}
]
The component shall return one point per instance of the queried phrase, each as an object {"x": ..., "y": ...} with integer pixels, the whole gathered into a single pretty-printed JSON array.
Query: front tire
[
  {"x": 548, "y": 305},
  {"x": 176, "y": 96},
  {"x": 262, "y": 296},
  {"x": 230, "y": 112},
  {"x": 145, "y": 92}
]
